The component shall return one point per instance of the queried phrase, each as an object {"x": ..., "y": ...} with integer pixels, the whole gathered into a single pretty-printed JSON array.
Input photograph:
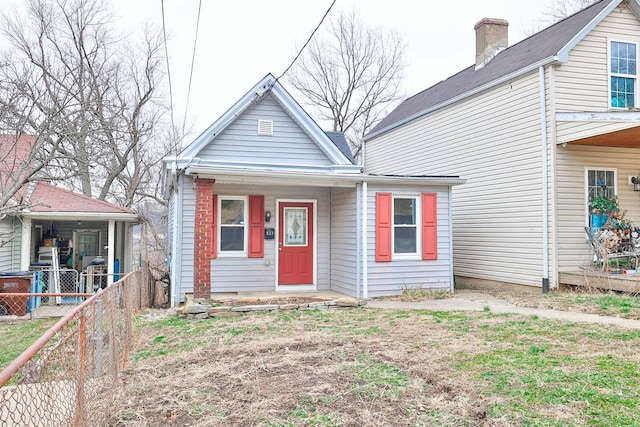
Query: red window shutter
[
  {"x": 214, "y": 226},
  {"x": 384, "y": 218},
  {"x": 429, "y": 226},
  {"x": 256, "y": 226}
]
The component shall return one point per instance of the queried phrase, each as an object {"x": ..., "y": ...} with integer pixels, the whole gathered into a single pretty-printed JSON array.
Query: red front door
[{"x": 295, "y": 243}]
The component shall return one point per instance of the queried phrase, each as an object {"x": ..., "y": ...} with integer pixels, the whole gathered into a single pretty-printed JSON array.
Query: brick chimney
[{"x": 492, "y": 36}]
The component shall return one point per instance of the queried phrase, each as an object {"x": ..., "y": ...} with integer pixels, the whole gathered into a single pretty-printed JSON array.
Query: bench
[{"x": 608, "y": 246}]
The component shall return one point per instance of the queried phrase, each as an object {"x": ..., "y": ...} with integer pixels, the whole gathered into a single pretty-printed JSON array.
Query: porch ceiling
[{"x": 628, "y": 138}]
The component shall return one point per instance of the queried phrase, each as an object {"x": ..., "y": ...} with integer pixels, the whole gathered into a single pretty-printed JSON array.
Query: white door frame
[{"x": 293, "y": 288}]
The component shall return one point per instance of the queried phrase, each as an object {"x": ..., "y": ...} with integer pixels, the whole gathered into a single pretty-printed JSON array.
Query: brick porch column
[{"x": 203, "y": 238}]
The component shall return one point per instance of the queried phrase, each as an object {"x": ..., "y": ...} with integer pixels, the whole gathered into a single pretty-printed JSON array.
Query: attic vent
[{"x": 265, "y": 127}]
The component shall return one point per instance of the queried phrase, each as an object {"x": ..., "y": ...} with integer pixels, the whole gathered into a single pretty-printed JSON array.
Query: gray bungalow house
[
  {"x": 264, "y": 200},
  {"x": 538, "y": 128}
]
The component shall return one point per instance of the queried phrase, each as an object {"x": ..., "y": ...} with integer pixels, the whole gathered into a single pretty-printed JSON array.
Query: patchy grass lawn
[
  {"x": 367, "y": 367},
  {"x": 603, "y": 303},
  {"x": 16, "y": 337}
]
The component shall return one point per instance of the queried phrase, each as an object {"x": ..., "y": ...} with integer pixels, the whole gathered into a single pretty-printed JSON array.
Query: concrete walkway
[{"x": 475, "y": 301}]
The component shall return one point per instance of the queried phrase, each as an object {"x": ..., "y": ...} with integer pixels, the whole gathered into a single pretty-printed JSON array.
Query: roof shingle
[{"x": 542, "y": 45}]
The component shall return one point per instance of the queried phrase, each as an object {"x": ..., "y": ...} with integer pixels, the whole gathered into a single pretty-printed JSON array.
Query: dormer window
[{"x": 623, "y": 74}]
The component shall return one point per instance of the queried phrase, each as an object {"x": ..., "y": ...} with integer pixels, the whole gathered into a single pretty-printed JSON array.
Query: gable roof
[
  {"x": 47, "y": 198},
  {"x": 268, "y": 84},
  {"x": 549, "y": 45}
]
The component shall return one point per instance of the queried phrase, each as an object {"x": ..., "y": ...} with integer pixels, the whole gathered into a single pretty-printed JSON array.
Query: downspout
[
  {"x": 365, "y": 286},
  {"x": 451, "y": 276},
  {"x": 545, "y": 184},
  {"x": 358, "y": 239}
]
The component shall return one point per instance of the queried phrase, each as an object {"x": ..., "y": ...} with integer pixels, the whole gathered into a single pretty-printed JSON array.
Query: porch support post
[
  {"x": 203, "y": 242},
  {"x": 111, "y": 250},
  {"x": 25, "y": 249},
  {"x": 365, "y": 257}
]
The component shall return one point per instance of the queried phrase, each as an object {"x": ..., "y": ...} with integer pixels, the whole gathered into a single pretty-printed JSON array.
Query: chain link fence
[{"x": 69, "y": 375}]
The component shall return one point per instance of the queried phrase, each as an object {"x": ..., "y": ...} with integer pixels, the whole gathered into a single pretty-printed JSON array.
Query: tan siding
[
  {"x": 582, "y": 83},
  {"x": 572, "y": 162},
  {"x": 493, "y": 140}
]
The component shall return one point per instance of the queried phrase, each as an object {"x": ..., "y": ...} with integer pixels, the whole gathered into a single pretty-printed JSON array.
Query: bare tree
[
  {"x": 97, "y": 94},
  {"x": 554, "y": 11},
  {"x": 90, "y": 97},
  {"x": 350, "y": 75},
  {"x": 557, "y": 10}
]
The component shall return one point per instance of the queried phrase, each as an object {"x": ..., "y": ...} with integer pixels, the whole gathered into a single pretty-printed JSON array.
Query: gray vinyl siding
[
  {"x": 186, "y": 235},
  {"x": 288, "y": 145},
  {"x": 391, "y": 278},
  {"x": 571, "y": 200},
  {"x": 10, "y": 251},
  {"x": 494, "y": 141},
  {"x": 582, "y": 83},
  {"x": 242, "y": 274},
  {"x": 344, "y": 241}
]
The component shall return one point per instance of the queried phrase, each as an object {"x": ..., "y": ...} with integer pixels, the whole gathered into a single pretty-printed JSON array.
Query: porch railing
[{"x": 69, "y": 375}]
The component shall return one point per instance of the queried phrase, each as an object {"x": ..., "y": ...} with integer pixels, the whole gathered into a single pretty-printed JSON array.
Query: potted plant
[{"x": 601, "y": 208}]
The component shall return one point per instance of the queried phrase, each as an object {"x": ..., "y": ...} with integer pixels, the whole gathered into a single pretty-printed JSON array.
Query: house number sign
[{"x": 269, "y": 233}]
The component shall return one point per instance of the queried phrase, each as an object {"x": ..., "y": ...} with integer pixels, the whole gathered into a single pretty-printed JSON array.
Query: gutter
[{"x": 294, "y": 177}]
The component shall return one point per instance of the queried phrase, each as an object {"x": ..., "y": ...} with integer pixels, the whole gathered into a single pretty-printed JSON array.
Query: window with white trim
[
  {"x": 406, "y": 223},
  {"x": 232, "y": 229},
  {"x": 623, "y": 74},
  {"x": 600, "y": 182}
]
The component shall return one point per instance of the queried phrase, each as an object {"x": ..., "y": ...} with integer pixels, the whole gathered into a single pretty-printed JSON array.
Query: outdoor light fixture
[
  {"x": 636, "y": 183},
  {"x": 267, "y": 216},
  {"x": 79, "y": 223}
]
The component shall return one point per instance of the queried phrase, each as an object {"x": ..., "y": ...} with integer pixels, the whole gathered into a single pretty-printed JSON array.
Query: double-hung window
[
  {"x": 232, "y": 212},
  {"x": 405, "y": 226},
  {"x": 623, "y": 74},
  {"x": 600, "y": 183}
]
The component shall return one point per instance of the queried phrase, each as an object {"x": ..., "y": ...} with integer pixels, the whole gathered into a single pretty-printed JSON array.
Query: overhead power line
[
  {"x": 308, "y": 40},
  {"x": 166, "y": 54},
  {"x": 193, "y": 60}
]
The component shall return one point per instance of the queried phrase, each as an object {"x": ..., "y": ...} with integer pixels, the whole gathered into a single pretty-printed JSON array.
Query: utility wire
[
  {"x": 307, "y": 42},
  {"x": 193, "y": 60},
  {"x": 166, "y": 54}
]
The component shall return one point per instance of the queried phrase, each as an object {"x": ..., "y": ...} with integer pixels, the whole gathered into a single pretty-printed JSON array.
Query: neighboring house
[
  {"x": 264, "y": 200},
  {"x": 538, "y": 129},
  {"x": 80, "y": 228}
]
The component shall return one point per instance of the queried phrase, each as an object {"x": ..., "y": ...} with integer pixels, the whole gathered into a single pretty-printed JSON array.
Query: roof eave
[
  {"x": 85, "y": 216},
  {"x": 262, "y": 88},
  {"x": 563, "y": 54},
  {"x": 464, "y": 96}
]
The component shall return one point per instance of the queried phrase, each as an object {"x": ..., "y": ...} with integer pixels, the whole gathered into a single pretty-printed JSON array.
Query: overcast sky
[{"x": 240, "y": 41}]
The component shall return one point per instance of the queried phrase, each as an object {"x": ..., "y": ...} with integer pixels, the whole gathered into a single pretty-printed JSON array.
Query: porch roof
[
  {"x": 320, "y": 178},
  {"x": 49, "y": 201},
  {"x": 626, "y": 138}
]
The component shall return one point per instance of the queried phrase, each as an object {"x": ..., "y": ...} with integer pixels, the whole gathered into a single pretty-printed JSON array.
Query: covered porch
[
  {"x": 601, "y": 281},
  {"x": 67, "y": 232}
]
